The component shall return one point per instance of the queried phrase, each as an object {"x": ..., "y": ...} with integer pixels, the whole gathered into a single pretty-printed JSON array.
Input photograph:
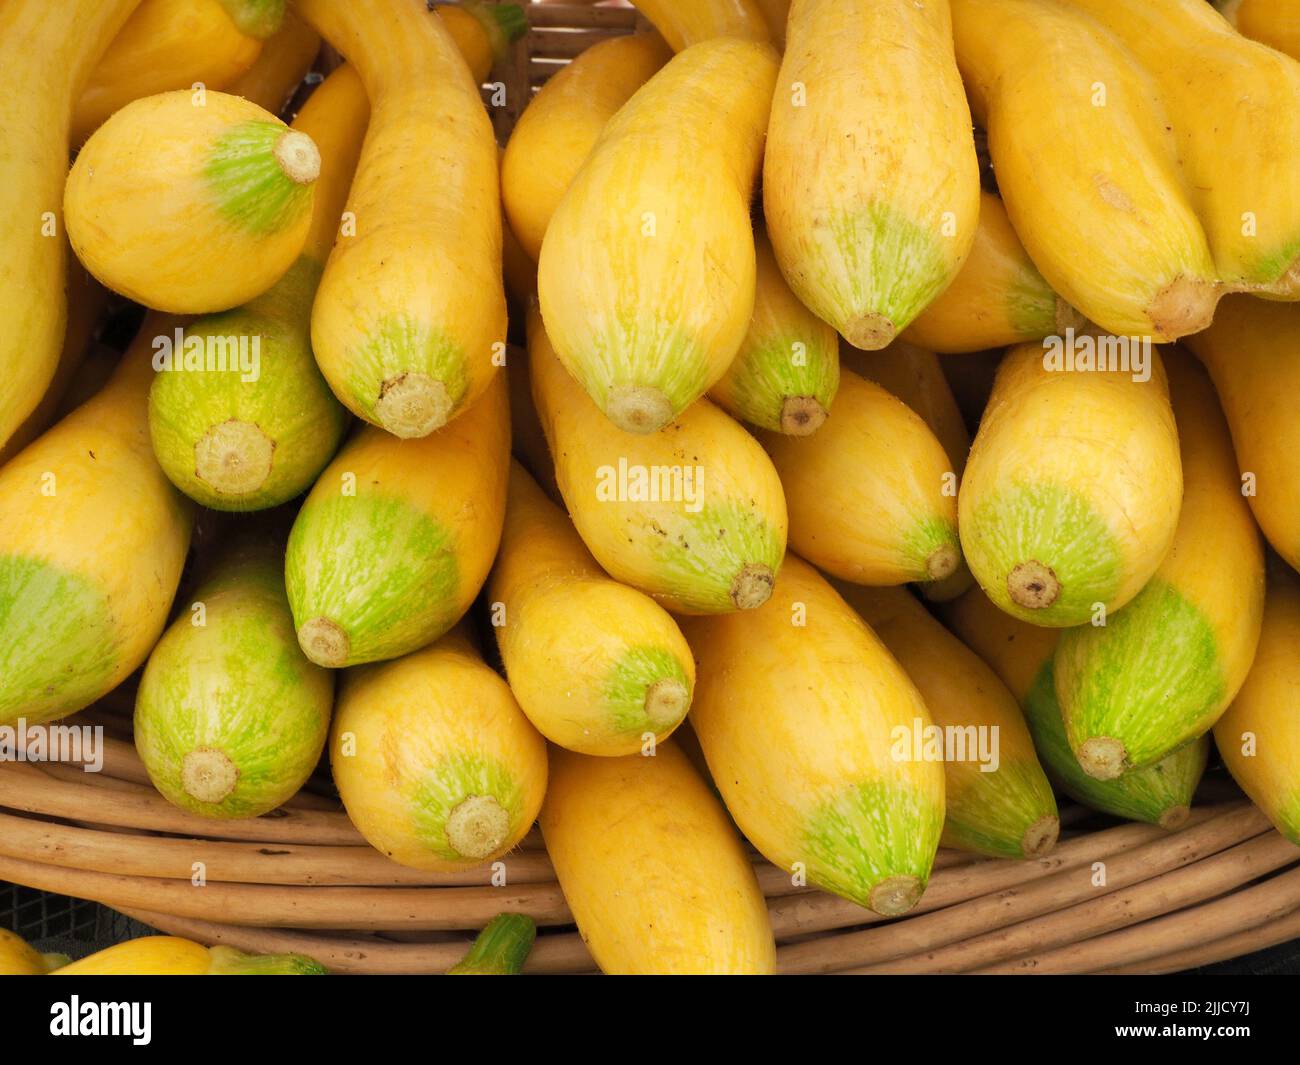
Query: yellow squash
[
  {"x": 1021, "y": 655},
  {"x": 92, "y": 540},
  {"x": 1253, "y": 354},
  {"x": 19, "y": 959},
  {"x": 692, "y": 515},
  {"x": 1275, "y": 22},
  {"x": 483, "y": 32},
  {"x": 870, "y": 182},
  {"x": 191, "y": 208},
  {"x": 435, "y": 762},
  {"x": 1073, "y": 485},
  {"x": 46, "y": 53},
  {"x": 1259, "y": 736},
  {"x": 257, "y": 18},
  {"x": 646, "y": 276},
  {"x": 409, "y": 324},
  {"x": 786, "y": 372},
  {"x": 1158, "y": 673},
  {"x": 597, "y": 666},
  {"x": 284, "y": 61},
  {"x": 652, "y": 868},
  {"x": 997, "y": 299},
  {"x": 172, "y": 956},
  {"x": 166, "y": 44},
  {"x": 1232, "y": 102},
  {"x": 687, "y": 22},
  {"x": 1087, "y": 166},
  {"x": 397, "y": 537},
  {"x": 808, "y": 724},
  {"x": 558, "y": 128},
  {"x": 998, "y": 800},
  {"x": 871, "y": 495}
]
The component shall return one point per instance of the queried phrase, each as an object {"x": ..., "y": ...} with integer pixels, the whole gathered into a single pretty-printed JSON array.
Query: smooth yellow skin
[
  {"x": 1253, "y": 353},
  {"x": 562, "y": 123},
  {"x": 652, "y": 867},
  {"x": 1274, "y": 22},
  {"x": 627, "y": 537},
  {"x": 418, "y": 288},
  {"x": 960, "y": 691},
  {"x": 687, "y": 22},
  {"x": 860, "y": 487},
  {"x": 335, "y": 118},
  {"x": 284, "y": 61},
  {"x": 403, "y": 720},
  {"x": 1094, "y": 191},
  {"x": 1215, "y": 563},
  {"x": 1267, "y": 710},
  {"x": 19, "y": 959},
  {"x": 566, "y": 626},
  {"x": 998, "y": 298},
  {"x": 148, "y": 956},
  {"x": 1232, "y": 104},
  {"x": 114, "y": 519},
  {"x": 646, "y": 275},
  {"x": 791, "y": 716},
  {"x": 471, "y": 38},
  {"x": 46, "y": 53},
  {"x": 870, "y": 182},
  {"x": 142, "y": 217},
  {"x": 1107, "y": 440},
  {"x": 166, "y": 44}
]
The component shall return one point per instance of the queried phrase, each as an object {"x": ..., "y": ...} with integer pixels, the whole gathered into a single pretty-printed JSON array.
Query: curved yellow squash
[
  {"x": 870, "y": 182},
  {"x": 92, "y": 540},
  {"x": 871, "y": 495},
  {"x": 165, "y": 45},
  {"x": 560, "y": 125},
  {"x": 1259, "y": 736},
  {"x": 1253, "y": 354},
  {"x": 46, "y": 53},
  {"x": 687, "y": 22},
  {"x": 807, "y": 723},
  {"x": 435, "y": 762},
  {"x": 1071, "y": 492},
  {"x": 646, "y": 276},
  {"x": 409, "y": 324},
  {"x": 17, "y": 958},
  {"x": 1159, "y": 672},
  {"x": 172, "y": 956},
  {"x": 189, "y": 208},
  {"x": 693, "y": 515},
  {"x": 1087, "y": 166},
  {"x": 1232, "y": 102},
  {"x": 597, "y": 666},
  {"x": 652, "y": 868}
]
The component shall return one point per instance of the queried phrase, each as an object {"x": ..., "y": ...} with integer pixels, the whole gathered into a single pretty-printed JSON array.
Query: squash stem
[{"x": 500, "y": 949}]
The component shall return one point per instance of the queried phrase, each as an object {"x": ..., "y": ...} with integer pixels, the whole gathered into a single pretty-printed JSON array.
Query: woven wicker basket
[{"x": 1110, "y": 898}]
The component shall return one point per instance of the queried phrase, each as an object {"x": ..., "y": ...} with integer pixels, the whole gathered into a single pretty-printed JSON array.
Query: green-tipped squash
[
  {"x": 646, "y": 276},
  {"x": 1253, "y": 354},
  {"x": 46, "y": 53},
  {"x": 872, "y": 495},
  {"x": 1021, "y": 654},
  {"x": 1071, "y": 492},
  {"x": 92, "y": 540},
  {"x": 435, "y": 762},
  {"x": 409, "y": 325},
  {"x": 798, "y": 707},
  {"x": 230, "y": 717},
  {"x": 786, "y": 372},
  {"x": 236, "y": 440},
  {"x": 997, "y": 299},
  {"x": 997, "y": 799},
  {"x": 653, "y": 869},
  {"x": 597, "y": 666},
  {"x": 870, "y": 181},
  {"x": 1259, "y": 735},
  {"x": 1158, "y": 673},
  {"x": 172, "y": 956},
  {"x": 397, "y": 537},
  {"x": 1087, "y": 165},
  {"x": 500, "y": 949},
  {"x": 692, "y": 515}
]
